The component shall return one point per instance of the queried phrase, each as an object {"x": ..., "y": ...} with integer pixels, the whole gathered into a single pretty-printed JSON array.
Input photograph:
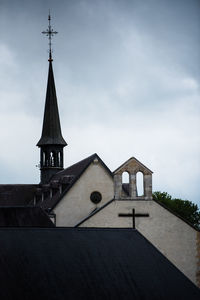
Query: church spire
[
  {"x": 51, "y": 131},
  {"x": 51, "y": 142}
]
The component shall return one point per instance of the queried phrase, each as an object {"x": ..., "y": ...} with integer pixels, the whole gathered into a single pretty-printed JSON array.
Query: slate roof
[
  {"x": 78, "y": 168},
  {"x": 51, "y": 131},
  {"x": 75, "y": 171},
  {"x": 64, "y": 263},
  {"x": 17, "y": 194},
  {"x": 24, "y": 217}
]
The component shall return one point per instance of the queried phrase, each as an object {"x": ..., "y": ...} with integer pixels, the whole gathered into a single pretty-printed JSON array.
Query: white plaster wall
[
  {"x": 76, "y": 205},
  {"x": 172, "y": 236}
]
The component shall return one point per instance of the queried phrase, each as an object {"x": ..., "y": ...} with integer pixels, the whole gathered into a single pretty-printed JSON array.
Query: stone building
[{"x": 89, "y": 194}]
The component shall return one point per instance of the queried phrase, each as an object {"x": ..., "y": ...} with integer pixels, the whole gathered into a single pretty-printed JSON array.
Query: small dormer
[{"x": 138, "y": 177}]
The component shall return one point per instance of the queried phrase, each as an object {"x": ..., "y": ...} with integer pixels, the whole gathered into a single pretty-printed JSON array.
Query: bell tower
[{"x": 51, "y": 143}]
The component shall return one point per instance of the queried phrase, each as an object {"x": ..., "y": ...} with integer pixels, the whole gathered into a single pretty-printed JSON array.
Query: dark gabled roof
[
  {"x": 78, "y": 168},
  {"x": 24, "y": 217},
  {"x": 17, "y": 194},
  {"x": 51, "y": 131},
  {"x": 64, "y": 263},
  {"x": 75, "y": 171}
]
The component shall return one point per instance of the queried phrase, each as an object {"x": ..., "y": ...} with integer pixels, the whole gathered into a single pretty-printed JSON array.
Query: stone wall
[
  {"x": 198, "y": 259},
  {"x": 170, "y": 234},
  {"x": 177, "y": 240},
  {"x": 132, "y": 167},
  {"x": 76, "y": 204}
]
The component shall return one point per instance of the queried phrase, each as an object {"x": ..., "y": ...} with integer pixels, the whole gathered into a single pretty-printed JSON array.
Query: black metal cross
[
  {"x": 49, "y": 32},
  {"x": 133, "y": 215}
]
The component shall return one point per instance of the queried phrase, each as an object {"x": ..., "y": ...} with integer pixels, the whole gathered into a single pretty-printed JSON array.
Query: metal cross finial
[{"x": 49, "y": 32}]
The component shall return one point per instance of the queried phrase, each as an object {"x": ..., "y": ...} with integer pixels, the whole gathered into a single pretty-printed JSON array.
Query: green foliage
[{"x": 184, "y": 208}]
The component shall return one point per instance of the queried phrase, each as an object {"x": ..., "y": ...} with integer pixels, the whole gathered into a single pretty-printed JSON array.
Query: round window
[{"x": 95, "y": 197}]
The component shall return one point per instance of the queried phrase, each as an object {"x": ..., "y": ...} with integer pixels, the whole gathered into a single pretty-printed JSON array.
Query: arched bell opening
[
  {"x": 52, "y": 159},
  {"x": 140, "y": 184},
  {"x": 126, "y": 182}
]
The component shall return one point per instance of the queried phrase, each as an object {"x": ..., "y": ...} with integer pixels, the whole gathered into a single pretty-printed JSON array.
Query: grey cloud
[{"x": 127, "y": 78}]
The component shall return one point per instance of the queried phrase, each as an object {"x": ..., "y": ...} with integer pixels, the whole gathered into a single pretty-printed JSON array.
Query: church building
[{"x": 88, "y": 194}]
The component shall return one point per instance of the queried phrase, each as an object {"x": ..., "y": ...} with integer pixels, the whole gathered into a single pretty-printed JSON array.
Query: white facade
[
  {"x": 172, "y": 236},
  {"x": 76, "y": 204},
  {"x": 176, "y": 239}
]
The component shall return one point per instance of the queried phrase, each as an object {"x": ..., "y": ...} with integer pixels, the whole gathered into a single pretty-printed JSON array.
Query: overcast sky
[{"x": 128, "y": 84}]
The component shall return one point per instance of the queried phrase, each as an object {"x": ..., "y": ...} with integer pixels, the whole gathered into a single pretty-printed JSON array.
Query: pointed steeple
[
  {"x": 51, "y": 142},
  {"x": 51, "y": 131}
]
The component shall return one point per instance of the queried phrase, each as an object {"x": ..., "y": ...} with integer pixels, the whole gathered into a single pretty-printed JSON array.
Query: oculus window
[{"x": 95, "y": 197}]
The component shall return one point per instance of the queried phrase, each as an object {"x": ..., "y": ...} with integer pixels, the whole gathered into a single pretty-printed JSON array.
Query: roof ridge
[
  {"x": 84, "y": 159},
  {"x": 75, "y": 164},
  {"x": 77, "y": 170}
]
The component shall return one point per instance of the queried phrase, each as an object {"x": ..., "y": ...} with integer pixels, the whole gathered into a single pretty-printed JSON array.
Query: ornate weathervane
[{"x": 49, "y": 32}]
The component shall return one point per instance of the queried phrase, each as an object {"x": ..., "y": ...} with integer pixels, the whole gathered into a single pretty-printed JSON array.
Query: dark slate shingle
[
  {"x": 72, "y": 263},
  {"x": 24, "y": 217},
  {"x": 17, "y": 194}
]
